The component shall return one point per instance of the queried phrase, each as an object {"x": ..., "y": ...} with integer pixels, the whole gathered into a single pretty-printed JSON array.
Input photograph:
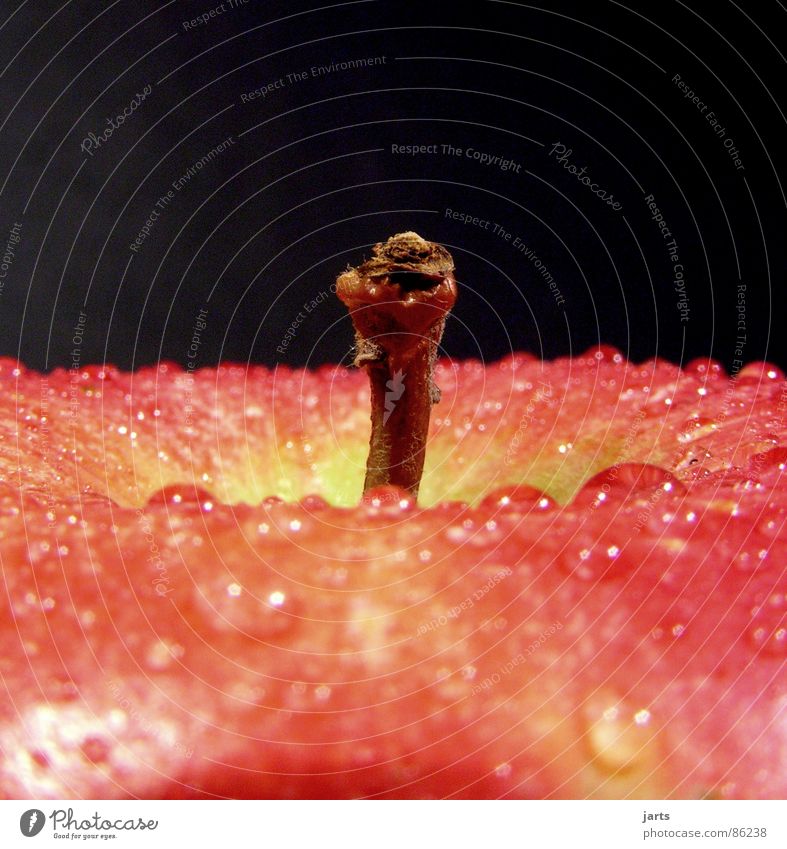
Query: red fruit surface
[{"x": 196, "y": 605}]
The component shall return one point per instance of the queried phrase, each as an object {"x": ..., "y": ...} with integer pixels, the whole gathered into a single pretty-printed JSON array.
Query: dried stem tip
[{"x": 398, "y": 301}]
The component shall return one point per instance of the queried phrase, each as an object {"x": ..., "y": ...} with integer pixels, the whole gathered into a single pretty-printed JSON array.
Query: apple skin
[{"x": 162, "y": 638}]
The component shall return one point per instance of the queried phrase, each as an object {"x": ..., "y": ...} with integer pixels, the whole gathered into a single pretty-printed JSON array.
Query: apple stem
[{"x": 398, "y": 301}]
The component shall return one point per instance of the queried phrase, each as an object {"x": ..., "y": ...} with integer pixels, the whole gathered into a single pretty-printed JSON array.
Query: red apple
[{"x": 587, "y": 601}]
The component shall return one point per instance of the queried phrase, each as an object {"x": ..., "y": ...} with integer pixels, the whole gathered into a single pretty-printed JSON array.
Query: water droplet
[
  {"x": 518, "y": 498},
  {"x": 161, "y": 654},
  {"x": 40, "y": 758},
  {"x": 769, "y": 637},
  {"x": 640, "y": 481},
  {"x": 95, "y": 749},
  {"x": 617, "y": 740},
  {"x": 183, "y": 495},
  {"x": 775, "y": 459},
  {"x": 604, "y": 352},
  {"x": 759, "y": 372},
  {"x": 390, "y": 497},
  {"x": 62, "y": 687},
  {"x": 602, "y": 560},
  {"x": 313, "y": 502},
  {"x": 276, "y": 598},
  {"x": 456, "y": 534},
  {"x": 248, "y": 609}
]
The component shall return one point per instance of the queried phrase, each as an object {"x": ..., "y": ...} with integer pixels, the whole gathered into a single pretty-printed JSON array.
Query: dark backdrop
[{"x": 680, "y": 106}]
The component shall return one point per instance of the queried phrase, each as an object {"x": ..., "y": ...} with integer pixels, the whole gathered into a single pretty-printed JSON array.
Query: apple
[{"x": 586, "y": 600}]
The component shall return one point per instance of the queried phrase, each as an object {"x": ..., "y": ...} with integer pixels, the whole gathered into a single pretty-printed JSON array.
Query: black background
[{"x": 310, "y": 181}]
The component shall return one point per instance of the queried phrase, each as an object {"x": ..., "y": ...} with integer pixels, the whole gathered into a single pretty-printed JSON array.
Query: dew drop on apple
[
  {"x": 503, "y": 770},
  {"x": 261, "y": 614},
  {"x": 469, "y": 672},
  {"x": 388, "y": 497},
  {"x": 95, "y": 749},
  {"x": 183, "y": 495},
  {"x": 161, "y": 654},
  {"x": 768, "y": 635},
  {"x": 313, "y": 502},
  {"x": 616, "y": 734},
  {"x": 518, "y": 498},
  {"x": 322, "y": 693},
  {"x": 62, "y": 687},
  {"x": 40, "y": 758},
  {"x": 628, "y": 480},
  {"x": 601, "y": 560},
  {"x": 456, "y": 534}
]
